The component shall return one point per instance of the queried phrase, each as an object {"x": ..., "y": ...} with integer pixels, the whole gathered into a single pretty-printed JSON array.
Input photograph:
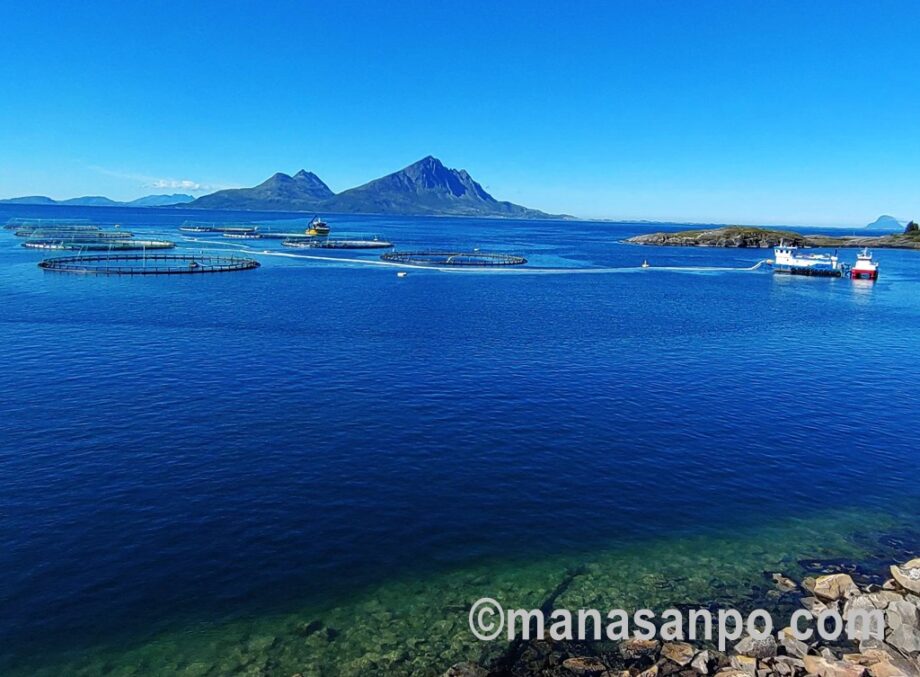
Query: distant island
[
  {"x": 764, "y": 238},
  {"x": 99, "y": 201},
  {"x": 425, "y": 187},
  {"x": 885, "y": 222}
]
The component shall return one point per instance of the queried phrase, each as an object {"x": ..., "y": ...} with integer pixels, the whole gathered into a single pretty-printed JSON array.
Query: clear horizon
[{"x": 780, "y": 114}]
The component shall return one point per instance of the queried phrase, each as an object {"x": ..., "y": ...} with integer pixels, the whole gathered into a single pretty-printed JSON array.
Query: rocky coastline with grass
[
  {"x": 765, "y": 238},
  {"x": 847, "y": 587}
]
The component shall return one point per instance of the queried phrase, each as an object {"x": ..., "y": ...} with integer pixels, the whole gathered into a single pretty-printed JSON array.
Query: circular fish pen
[
  {"x": 99, "y": 246},
  {"x": 70, "y": 234},
  {"x": 51, "y": 224},
  {"x": 156, "y": 264},
  {"x": 473, "y": 259},
  {"x": 218, "y": 228},
  {"x": 330, "y": 243}
]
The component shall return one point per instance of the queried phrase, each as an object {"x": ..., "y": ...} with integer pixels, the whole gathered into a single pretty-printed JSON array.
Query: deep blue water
[{"x": 205, "y": 447}]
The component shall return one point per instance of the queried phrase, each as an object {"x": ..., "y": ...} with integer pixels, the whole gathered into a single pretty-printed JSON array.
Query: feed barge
[{"x": 787, "y": 260}]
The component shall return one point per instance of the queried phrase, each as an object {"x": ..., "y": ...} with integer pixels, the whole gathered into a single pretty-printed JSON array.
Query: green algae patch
[{"x": 420, "y": 626}]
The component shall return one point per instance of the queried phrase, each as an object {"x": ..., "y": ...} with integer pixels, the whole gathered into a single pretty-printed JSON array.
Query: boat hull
[
  {"x": 809, "y": 272},
  {"x": 864, "y": 274}
]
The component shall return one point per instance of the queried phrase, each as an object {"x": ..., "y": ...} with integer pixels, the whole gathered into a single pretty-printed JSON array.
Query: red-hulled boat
[{"x": 865, "y": 268}]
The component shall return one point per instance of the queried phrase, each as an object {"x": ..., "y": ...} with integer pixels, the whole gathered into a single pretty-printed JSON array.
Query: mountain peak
[
  {"x": 304, "y": 190},
  {"x": 885, "y": 222},
  {"x": 428, "y": 163},
  {"x": 426, "y": 186}
]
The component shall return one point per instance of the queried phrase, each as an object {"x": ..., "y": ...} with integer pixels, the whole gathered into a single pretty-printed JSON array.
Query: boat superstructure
[{"x": 318, "y": 227}]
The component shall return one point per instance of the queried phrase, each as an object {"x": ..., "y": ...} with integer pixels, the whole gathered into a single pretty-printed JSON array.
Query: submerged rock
[
  {"x": 783, "y": 583},
  {"x": 466, "y": 669}
]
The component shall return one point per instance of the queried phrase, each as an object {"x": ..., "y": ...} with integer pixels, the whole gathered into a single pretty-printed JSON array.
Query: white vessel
[{"x": 787, "y": 259}]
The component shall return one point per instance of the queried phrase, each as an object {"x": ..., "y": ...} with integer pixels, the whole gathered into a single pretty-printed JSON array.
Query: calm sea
[{"x": 200, "y": 471}]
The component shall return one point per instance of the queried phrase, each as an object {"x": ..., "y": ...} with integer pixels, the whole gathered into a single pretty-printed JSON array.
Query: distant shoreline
[
  {"x": 561, "y": 218},
  {"x": 746, "y": 237}
]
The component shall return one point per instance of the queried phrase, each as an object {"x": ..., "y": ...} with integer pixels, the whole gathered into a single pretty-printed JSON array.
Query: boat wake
[{"x": 523, "y": 270}]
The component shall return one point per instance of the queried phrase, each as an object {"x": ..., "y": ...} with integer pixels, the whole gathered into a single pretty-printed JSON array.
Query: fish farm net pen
[
  {"x": 67, "y": 233},
  {"x": 453, "y": 258},
  {"x": 335, "y": 243},
  {"x": 218, "y": 228},
  {"x": 29, "y": 224},
  {"x": 156, "y": 264},
  {"x": 82, "y": 245}
]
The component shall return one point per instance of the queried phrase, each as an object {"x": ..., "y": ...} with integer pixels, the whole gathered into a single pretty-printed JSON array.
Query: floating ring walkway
[
  {"x": 69, "y": 234},
  {"x": 99, "y": 246},
  {"x": 332, "y": 243},
  {"x": 453, "y": 258},
  {"x": 157, "y": 264}
]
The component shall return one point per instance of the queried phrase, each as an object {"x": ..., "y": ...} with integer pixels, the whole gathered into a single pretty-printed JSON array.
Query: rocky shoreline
[
  {"x": 898, "y": 655},
  {"x": 763, "y": 238}
]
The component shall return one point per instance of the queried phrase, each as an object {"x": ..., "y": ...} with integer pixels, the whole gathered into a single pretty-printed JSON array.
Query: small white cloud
[
  {"x": 178, "y": 184},
  {"x": 151, "y": 182}
]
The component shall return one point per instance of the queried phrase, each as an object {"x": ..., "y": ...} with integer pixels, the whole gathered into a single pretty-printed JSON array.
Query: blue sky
[{"x": 753, "y": 112}]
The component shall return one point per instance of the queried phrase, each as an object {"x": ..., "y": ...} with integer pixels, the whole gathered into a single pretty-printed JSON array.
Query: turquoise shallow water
[{"x": 199, "y": 470}]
